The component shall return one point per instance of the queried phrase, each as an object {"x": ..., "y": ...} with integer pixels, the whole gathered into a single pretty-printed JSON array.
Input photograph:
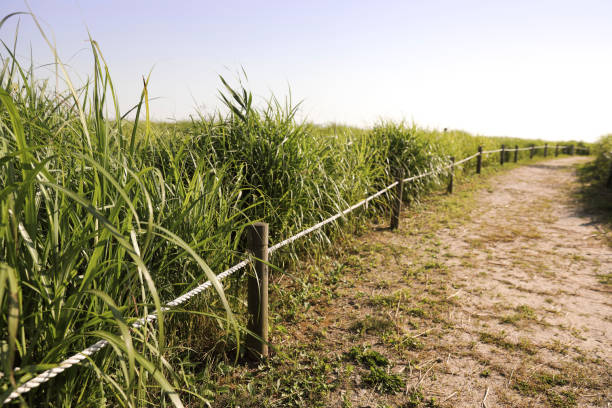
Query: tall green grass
[
  {"x": 595, "y": 194},
  {"x": 602, "y": 149},
  {"x": 102, "y": 220}
]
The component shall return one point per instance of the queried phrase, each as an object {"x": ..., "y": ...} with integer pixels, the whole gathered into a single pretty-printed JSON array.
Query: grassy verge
[{"x": 594, "y": 195}]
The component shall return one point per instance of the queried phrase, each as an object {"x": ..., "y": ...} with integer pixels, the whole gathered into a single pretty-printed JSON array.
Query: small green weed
[
  {"x": 499, "y": 340},
  {"x": 416, "y": 312},
  {"x": 383, "y": 382},
  {"x": 522, "y": 312},
  {"x": 372, "y": 324},
  {"x": 563, "y": 399},
  {"x": 367, "y": 357},
  {"x": 412, "y": 343},
  {"x": 605, "y": 278},
  {"x": 544, "y": 383},
  {"x": 416, "y": 399}
]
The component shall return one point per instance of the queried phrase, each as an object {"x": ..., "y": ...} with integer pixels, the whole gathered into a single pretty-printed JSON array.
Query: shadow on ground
[
  {"x": 594, "y": 198},
  {"x": 547, "y": 166}
]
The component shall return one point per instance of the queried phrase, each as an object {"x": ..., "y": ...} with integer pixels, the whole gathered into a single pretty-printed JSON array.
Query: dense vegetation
[
  {"x": 596, "y": 192},
  {"x": 102, "y": 220},
  {"x": 602, "y": 150}
]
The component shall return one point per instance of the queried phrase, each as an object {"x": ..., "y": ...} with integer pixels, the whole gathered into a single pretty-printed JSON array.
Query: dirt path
[
  {"x": 499, "y": 294},
  {"x": 533, "y": 278}
]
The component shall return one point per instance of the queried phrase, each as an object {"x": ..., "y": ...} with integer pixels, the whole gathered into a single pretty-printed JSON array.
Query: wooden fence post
[
  {"x": 257, "y": 242},
  {"x": 545, "y": 149},
  {"x": 502, "y": 154},
  {"x": 397, "y": 205},
  {"x": 531, "y": 151},
  {"x": 451, "y": 176},
  {"x": 557, "y": 150},
  {"x": 572, "y": 149},
  {"x": 609, "y": 183},
  {"x": 515, "y": 153},
  {"x": 479, "y": 160}
]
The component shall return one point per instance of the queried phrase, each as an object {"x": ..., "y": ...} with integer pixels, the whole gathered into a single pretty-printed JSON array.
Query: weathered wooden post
[
  {"x": 451, "y": 176},
  {"x": 545, "y": 149},
  {"x": 557, "y": 150},
  {"x": 531, "y": 152},
  {"x": 515, "y": 153},
  {"x": 479, "y": 160},
  {"x": 502, "y": 154},
  {"x": 257, "y": 242},
  {"x": 397, "y": 205},
  {"x": 609, "y": 183},
  {"x": 572, "y": 149}
]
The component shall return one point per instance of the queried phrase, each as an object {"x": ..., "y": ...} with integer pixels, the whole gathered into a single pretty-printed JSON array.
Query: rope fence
[{"x": 94, "y": 348}]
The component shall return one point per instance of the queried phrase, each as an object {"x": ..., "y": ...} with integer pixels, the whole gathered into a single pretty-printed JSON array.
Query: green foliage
[
  {"x": 543, "y": 383},
  {"x": 412, "y": 343},
  {"x": 603, "y": 158},
  {"x": 367, "y": 357},
  {"x": 372, "y": 324},
  {"x": 522, "y": 312},
  {"x": 384, "y": 382},
  {"x": 595, "y": 195},
  {"x": 377, "y": 377}
]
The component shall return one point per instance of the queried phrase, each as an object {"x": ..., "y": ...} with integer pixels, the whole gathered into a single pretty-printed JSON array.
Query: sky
[{"x": 532, "y": 69}]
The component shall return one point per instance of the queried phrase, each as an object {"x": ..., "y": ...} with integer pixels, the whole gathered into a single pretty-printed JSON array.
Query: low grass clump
[
  {"x": 377, "y": 377},
  {"x": 372, "y": 324},
  {"x": 499, "y": 340},
  {"x": 367, "y": 357},
  {"x": 522, "y": 313},
  {"x": 548, "y": 385},
  {"x": 383, "y": 382}
]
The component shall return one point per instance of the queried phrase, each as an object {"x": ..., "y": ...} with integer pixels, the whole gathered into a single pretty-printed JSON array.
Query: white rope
[
  {"x": 438, "y": 171},
  {"x": 94, "y": 348},
  {"x": 49, "y": 374},
  {"x": 466, "y": 159},
  {"x": 491, "y": 151},
  {"x": 429, "y": 173},
  {"x": 330, "y": 219}
]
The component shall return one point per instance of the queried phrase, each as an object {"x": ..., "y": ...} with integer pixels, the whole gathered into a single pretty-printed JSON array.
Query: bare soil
[{"x": 496, "y": 296}]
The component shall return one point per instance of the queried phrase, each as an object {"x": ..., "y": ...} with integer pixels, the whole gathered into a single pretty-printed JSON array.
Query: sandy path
[
  {"x": 533, "y": 275},
  {"x": 508, "y": 303}
]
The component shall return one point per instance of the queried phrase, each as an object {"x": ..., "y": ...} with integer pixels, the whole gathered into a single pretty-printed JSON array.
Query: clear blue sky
[{"x": 516, "y": 68}]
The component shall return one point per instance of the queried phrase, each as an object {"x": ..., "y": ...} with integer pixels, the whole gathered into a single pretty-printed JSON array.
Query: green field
[{"x": 103, "y": 219}]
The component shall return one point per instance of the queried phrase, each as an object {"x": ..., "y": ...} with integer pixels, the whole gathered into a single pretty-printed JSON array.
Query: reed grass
[{"x": 602, "y": 150}]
